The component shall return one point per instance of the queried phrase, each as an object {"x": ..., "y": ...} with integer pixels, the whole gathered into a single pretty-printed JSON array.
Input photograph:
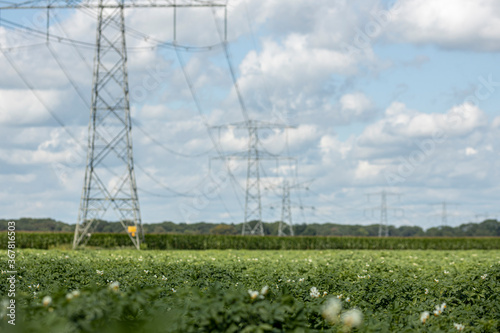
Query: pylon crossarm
[{"x": 92, "y": 4}]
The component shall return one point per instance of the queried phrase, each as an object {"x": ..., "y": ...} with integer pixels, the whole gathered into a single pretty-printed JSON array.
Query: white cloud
[
  {"x": 20, "y": 107},
  {"x": 451, "y": 24},
  {"x": 469, "y": 151},
  {"x": 365, "y": 170},
  {"x": 496, "y": 122},
  {"x": 356, "y": 106},
  {"x": 402, "y": 123}
]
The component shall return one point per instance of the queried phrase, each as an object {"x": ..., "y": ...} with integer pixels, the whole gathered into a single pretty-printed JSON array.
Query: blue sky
[{"x": 401, "y": 96}]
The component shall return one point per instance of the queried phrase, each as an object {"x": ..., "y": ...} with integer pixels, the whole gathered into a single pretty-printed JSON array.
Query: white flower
[
  {"x": 436, "y": 280},
  {"x": 424, "y": 316},
  {"x": 348, "y": 299},
  {"x": 173, "y": 290},
  {"x": 459, "y": 327},
  {"x": 446, "y": 272},
  {"x": 264, "y": 290},
  {"x": 115, "y": 286},
  {"x": 439, "y": 309},
  {"x": 99, "y": 272},
  {"x": 484, "y": 276},
  {"x": 331, "y": 310},
  {"x": 69, "y": 296},
  {"x": 76, "y": 293},
  {"x": 352, "y": 318},
  {"x": 426, "y": 291},
  {"x": 253, "y": 294},
  {"x": 146, "y": 271},
  {"x": 47, "y": 300},
  {"x": 314, "y": 292}
]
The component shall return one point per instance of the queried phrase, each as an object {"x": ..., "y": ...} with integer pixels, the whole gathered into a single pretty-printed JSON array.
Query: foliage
[
  {"x": 208, "y": 291},
  {"x": 221, "y": 242},
  {"x": 489, "y": 228}
]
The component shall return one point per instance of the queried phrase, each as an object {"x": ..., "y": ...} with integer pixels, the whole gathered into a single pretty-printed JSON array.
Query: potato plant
[{"x": 256, "y": 291}]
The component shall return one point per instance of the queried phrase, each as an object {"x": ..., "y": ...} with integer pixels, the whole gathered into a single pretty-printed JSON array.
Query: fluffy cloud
[
  {"x": 20, "y": 107},
  {"x": 451, "y": 24},
  {"x": 356, "y": 106},
  {"x": 401, "y": 124}
]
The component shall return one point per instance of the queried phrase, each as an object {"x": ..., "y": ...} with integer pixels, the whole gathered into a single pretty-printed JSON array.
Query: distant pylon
[
  {"x": 445, "y": 212},
  {"x": 253, "y": 156},
  {"x": 383, "y": 229},
  {"x": 253, "y": 204},
  {"x": 286, "y": 212},
  {"x": 109, "y": 175},
  {"x": 383, "y": 216},
  {"x": 444, "y": 215}
]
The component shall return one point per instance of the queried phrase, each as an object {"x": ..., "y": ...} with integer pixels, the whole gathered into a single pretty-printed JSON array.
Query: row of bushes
[{"x": 205, "y": 242}]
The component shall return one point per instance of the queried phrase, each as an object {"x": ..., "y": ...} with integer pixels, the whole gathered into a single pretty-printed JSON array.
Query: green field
[
  {"x": 208, "y": 291},
  {"x": 45, "y": 240}
]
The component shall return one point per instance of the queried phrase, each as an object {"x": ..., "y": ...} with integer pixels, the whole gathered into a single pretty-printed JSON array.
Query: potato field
[{"x": 254, "y": 291}]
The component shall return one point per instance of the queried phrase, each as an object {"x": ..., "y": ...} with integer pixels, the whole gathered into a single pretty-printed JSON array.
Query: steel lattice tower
[
  {"x": 444, "y": 215},
  {"x": 286, "y": 212},
  {"x": 253, "y": 156},
  {"x": 383, "y": 229},
  {"x": 253, "y": 205},
  {"x": 110, "y": 137},
  {"x": 109, "y": 176}
]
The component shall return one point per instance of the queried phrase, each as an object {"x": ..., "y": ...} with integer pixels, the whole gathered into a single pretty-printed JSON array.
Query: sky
[{"x": 396, "y": 96}]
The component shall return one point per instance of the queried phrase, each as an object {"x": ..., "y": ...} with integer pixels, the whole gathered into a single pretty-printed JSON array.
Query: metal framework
[
  {"x": 76, "y": 4},
  {"x": 109, "y": 176},
  {"x": 252, "y": 224},
  {"x": 383, "y": 229},
  {"x": 445, "y": 212},
  {"x": 110, "y": 142},
  {"x": 285, "y": 227}
]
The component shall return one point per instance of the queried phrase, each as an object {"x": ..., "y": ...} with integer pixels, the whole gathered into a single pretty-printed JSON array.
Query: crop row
[
  {"x": 225, "y": 291},
  {"x": 219, "y": 242}
]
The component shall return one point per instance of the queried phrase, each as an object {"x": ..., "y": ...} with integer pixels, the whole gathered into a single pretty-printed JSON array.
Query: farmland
[{"x": 224, "y": 291}]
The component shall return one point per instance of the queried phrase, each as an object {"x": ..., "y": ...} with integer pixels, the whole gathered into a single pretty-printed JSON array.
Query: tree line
[{"x": 486, "y": 228}]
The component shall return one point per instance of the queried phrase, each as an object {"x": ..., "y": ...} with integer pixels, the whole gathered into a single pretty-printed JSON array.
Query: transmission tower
[
  {"x": 383, "y": 229},
  {"x": 444, "y": 212},
  {"x": 444, "y": 215},
  {"x": 286, "y": 212},
  {"x": 109, "y": 176},
  {"x": 285, "y": 226},
  {"x": 252, "y": 224}
]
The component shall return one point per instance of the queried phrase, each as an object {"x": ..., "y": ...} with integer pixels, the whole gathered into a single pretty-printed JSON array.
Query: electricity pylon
[
  {"x": 444, "y": 212},
  {"x": 109, "y": 176},
  {"x": 383, "y": 229},
  {"x": 285, "y": 226},
  {"x": 110, "y": 141},
  {"x": 286, "y": 212},
  {"x": 253, "y": 203}
]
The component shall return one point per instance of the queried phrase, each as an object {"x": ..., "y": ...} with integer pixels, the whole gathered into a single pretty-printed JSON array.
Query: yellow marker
[{"x": 132, "y": 230}]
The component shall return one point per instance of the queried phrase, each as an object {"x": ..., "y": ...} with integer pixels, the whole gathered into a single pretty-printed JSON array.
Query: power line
[{"x": 199, "y": 109}]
